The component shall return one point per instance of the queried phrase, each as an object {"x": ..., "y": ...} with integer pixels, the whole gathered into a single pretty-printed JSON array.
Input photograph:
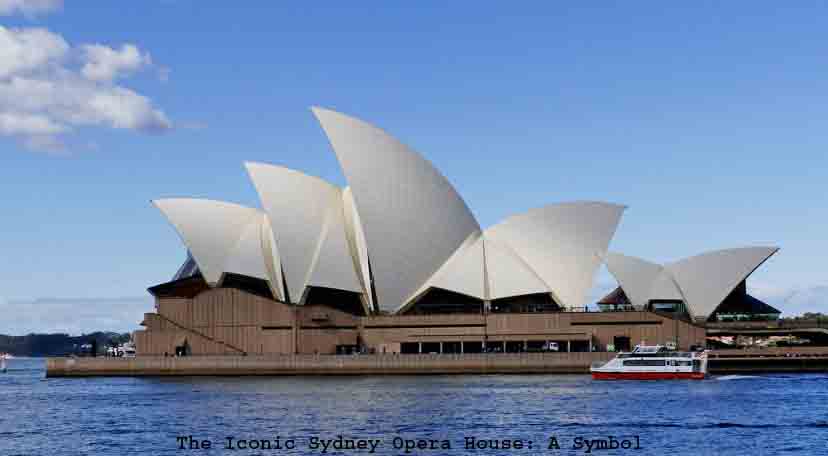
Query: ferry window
[{"x": 644, "y": 362}]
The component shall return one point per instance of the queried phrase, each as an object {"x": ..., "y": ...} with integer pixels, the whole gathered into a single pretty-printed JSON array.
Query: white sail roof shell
[
  {"x": 636, "y": 276},
  {"x": 463, "y": 272},
  {"x": 665, "y": 288},
  {"x": 562, "y": 243},
  {"x": 702, "y": 281},
  {"x": 333, "y": 265},
  {"x": 642, "y": 280},
  {"x": 508, "y": 274},
  {"x": 306, "y": 214},
  {"x": 247, "y": 256},
  {"x": 223, "y": 237},
  {"x": 359, "y": 247},
  {"x": 412, "y": 217},
  {"x": 706, "y": 279}
]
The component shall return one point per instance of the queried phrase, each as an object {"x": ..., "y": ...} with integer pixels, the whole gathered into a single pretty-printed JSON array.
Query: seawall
[
  {"x": 769, "y": 360},
  {"x": 491, "y": 363}
]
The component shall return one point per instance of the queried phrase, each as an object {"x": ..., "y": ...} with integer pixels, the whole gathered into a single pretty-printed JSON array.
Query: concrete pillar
[
  {"x": 568, "y": 346},
  {"x": 420, "y": 347},
  {"x": 441, "y": 348},
  {"x": 461, "y": 346}
]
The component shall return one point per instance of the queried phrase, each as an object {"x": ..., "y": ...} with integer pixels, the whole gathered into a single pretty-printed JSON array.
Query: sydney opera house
[{"x": 396, "y": 263}]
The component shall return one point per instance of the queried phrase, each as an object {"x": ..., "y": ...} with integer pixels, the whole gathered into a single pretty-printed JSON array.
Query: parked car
[{"x": 551, "y": 346}]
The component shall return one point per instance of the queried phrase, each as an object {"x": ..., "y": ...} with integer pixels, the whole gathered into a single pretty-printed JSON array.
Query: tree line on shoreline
[{"x": 58, "y": 344}]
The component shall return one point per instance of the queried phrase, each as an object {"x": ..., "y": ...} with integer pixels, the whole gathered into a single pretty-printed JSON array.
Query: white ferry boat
[
  {"x": 127, "y": 350},
  {"x": 655, "y": 362}
]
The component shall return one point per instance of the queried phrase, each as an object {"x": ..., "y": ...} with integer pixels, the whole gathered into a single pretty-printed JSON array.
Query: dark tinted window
[{"x": 644, "y": 362}]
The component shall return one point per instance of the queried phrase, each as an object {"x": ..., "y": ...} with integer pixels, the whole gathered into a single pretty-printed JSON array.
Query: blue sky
[{"x": 708, "y": 120}]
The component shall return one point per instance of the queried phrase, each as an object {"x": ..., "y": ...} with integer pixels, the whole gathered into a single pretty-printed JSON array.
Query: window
[
  {"x": 622, "y": 343},
  {"x": 644, "y": 362}
]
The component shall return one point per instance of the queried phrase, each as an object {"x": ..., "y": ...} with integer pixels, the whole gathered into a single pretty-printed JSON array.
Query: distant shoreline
[{"x": 57, "y": 344}]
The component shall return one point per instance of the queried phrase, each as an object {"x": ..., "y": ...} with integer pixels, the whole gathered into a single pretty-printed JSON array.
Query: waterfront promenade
[
  {"x": 489, "y": 363},
  {"x": 811, "y": 359}
]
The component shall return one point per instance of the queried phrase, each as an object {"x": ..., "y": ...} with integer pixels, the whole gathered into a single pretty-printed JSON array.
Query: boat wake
[{"x": 736, "y": 377}]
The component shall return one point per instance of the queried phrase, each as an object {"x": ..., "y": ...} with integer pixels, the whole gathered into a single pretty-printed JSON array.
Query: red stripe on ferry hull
[{"x": 648, "y": 376}]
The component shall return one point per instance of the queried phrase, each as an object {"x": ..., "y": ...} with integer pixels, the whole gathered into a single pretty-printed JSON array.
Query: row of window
[{"x": 656, "y": 362}]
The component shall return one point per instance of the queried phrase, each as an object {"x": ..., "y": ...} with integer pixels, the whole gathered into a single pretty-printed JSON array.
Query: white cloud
[
  {"x": 106, "y": 64},
  {"x": 72, "y": 316},
  {"x": 28, "y": 125},
  {"x": 29, "y": 8},
  {"x": 30, "y": 49},
  {"x": 48, "y": 89}
]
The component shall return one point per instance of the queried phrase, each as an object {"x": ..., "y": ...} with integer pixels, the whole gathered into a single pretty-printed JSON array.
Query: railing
[
  {"x": 771, "y": 352},
  {"x": 774, "y": 324}
]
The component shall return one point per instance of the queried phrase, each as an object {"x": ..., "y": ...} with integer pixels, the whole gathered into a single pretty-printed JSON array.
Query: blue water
[{"x": 732, "y": 415}]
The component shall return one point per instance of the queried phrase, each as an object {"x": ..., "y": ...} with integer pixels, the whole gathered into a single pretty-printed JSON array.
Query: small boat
[
  {"x": 127, "y": 350},
  {"x": 3, "y": 362},
  {"x": 652, "y": 362}
]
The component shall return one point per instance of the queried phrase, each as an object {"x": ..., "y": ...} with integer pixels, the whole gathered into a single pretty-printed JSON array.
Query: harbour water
[{"x": 729, "y": 415}]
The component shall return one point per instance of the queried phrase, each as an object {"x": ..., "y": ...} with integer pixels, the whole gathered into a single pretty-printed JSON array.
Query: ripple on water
[{"x": 728, "y": 415}]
